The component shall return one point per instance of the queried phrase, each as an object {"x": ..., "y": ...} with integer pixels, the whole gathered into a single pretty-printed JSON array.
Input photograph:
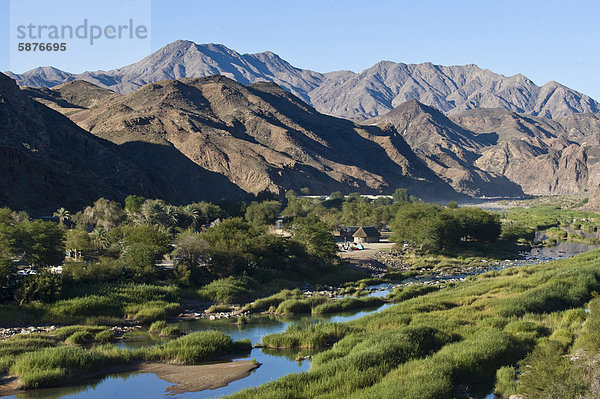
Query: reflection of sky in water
[{"x": 562, "y": 249}]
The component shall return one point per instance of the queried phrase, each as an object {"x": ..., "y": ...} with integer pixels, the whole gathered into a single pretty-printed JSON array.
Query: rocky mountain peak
[{"x": 356, "y": 96}]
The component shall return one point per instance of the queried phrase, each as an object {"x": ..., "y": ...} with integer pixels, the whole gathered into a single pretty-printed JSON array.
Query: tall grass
[
  {"x": 347, "y": 304},
  {"x": 97, "y": 304},
  {"x": 50, "y": 366},
  {"x": 264, "y": 304},
  {"x": 360, "y": 360},
  {"x": 229, "y": 290},
  {"x": 489, "y": 322},
  {"x": 412, "y": 291},
  {"x": 310, "y": 336},
  {"x": 194, "y": 348},
  {"x": 291, "y": 307},
  {"x": 44, "y": 361}
]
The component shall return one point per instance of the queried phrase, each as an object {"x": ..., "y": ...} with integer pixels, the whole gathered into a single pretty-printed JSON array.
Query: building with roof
[{"x": 366, "y": 234}]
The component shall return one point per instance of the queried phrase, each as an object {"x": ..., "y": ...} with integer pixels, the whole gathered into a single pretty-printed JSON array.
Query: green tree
[
  {"x": 190, "y": 248},
  {"x": 452, "y": 205},
  {"x": 291, "y": 195},
  {"x": 41, "y": 243},
  {"x": 62, "y": 214},
  {"x": 133, "y": 203},
  {"x": 78, "y": 240},
  {"x": 401, "y": 195},
  {"x": 141, "y": 258},
  {"x": 316, "y": 238},
  {"x": 514, "y": 232},
  {"x": 154, "y": 213},
  {"x": 190, "y": 217},
  {"x": 146, "y": 235},
  {"x": 172, "y": 216},
  {"x": 274, "y": 254},
  {"x": 104, "y": 213},
  {"x": 421, "y": 225},
  {"x": 209, "y": 212},
  {"x": 357, "y": 212},
  {"x": 8, "y": 234},
  {"x": 262, "y": 214},
  {"x": 229, "y": 245},
  {"x": 8, "y": 280},
  {"x": 336, "y": 195},
  {"x": 100, "y": 239},
  {"x": 477, "y": 224}
]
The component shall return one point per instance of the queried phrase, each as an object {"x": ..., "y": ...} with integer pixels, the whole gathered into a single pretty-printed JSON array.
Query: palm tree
[
  {"x": 172, "y": 215},
  {"x": 100, "y": 238},
  {"x": 192, "y": 215},
  {"x": 62, "y": 214}
]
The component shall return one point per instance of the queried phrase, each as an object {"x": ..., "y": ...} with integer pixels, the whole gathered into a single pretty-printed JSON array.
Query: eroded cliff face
[
  {"x": 48, "y": 161},
  {"x": 260, "y": 137},
  {"x": 448, "y": 149},
  {"x": 540, "y": 155}
]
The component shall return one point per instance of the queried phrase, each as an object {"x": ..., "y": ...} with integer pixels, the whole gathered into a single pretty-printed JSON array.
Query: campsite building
[{"x": 366, "y": 234}]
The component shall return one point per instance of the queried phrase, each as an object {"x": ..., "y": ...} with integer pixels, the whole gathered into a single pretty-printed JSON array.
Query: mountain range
[
  {"x": 147, "y": 129},
  {"x": 260, "y": 136},
  {"x": 483, "y": 152},
  {"x": 47, "y": 160},
  {"x": 370, "y": 93}
]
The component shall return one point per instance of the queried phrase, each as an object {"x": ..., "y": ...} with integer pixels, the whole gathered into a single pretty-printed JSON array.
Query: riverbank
[
  {"x": 185, "y": 378},
  {"x": 118, "y": 330}
]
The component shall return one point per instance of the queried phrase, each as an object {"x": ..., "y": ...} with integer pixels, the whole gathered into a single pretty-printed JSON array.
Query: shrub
[
  {"x": 506, "y": 382},
  {"x": 548, "y": 373},
  {"x": 568, "y": 288},
  {"x": 50, "y": 366},
  {"x": 64, "y": 333},
  {"x": 151, "y": 311},
  {"x": 170, "y": 331},
  {"x": 43, "y": 378},
  {"x": 218, "y": 308},
  {"x": 291, "y": 307},
  {"x": 104, "y": 337},
  {"x": 411, "y": 291},
  {"x": 80, "y": 337},
  {"x": 265, "y": 304},
  {"x": 228, "y": 290}
]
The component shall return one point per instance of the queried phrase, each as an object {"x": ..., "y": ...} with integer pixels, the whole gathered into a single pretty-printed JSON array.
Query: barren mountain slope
[
  {"x": 448, "y": 149},
  {"x": 261, "y": 137}
]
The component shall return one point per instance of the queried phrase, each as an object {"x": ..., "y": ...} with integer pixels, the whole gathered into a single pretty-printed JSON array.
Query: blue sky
[{"x": 544, "y": 40}]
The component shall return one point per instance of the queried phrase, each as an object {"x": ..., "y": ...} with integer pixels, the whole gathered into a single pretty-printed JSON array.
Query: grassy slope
[{"x": 458, "y": 337}]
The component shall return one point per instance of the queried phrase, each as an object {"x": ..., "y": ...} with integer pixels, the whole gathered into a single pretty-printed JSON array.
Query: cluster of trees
[
  {"x": 108, "y": 242},
  {"x": 432, "y": 227},
  {"x": 29, "y": 242},
  {"x": 351, "y": 210}
]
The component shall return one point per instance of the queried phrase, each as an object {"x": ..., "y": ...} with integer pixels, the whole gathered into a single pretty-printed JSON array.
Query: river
[{"x": 275, "y": 363}]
